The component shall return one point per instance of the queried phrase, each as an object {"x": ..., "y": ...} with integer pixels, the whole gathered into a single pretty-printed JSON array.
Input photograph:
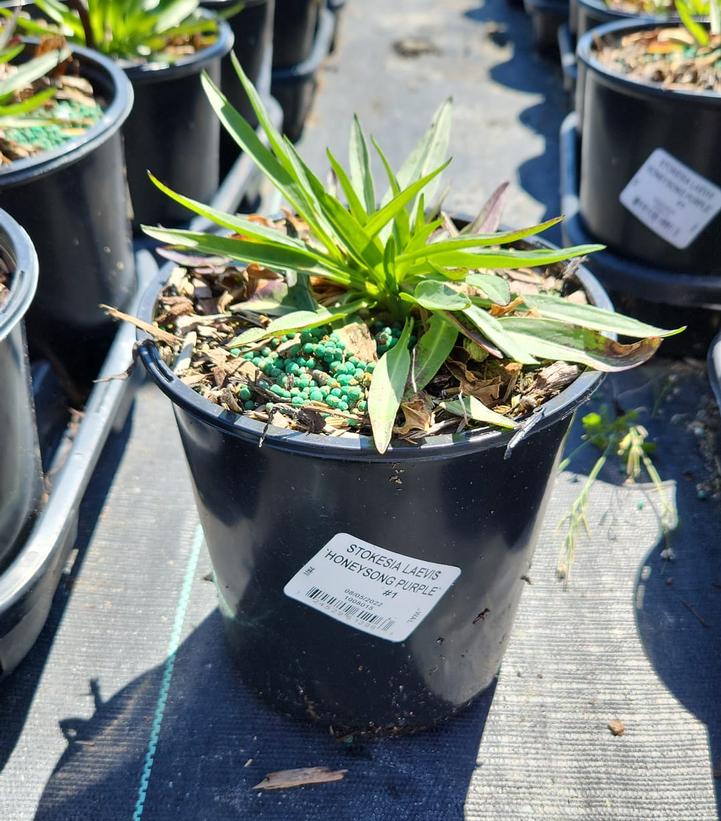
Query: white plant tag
[
  {"x": 671, "y": 199},
  {"x": 370, "y": 588}
]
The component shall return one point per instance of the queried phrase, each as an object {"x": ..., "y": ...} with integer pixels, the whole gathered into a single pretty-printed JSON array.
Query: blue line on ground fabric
[{"x": 168, "y": 667}]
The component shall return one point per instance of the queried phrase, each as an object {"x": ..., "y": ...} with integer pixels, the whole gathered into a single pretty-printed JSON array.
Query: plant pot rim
[
  {"x": 16, "y": 243},
  {"x": 600, "y": 6},
  {"x": 358, "y": 447},
  {"x": 220, "y": 4},
  {"x": 22, "y": 171},
  {"x": 713, "y": 360},
  {"x": 140, "y": 73},
  {"x": 585, "y": 51}
]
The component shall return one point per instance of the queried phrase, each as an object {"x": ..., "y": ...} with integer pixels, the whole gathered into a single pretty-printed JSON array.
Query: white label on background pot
[
  {"x": 370, "y": 588},
  {"x": 671, "y": 199}
]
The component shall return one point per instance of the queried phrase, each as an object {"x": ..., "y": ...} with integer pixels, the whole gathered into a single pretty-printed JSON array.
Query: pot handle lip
[{"x": 714, "y": 367}]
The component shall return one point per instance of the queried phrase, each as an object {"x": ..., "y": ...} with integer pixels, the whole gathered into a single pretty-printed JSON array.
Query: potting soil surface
[{"x": 129, "y": 706}]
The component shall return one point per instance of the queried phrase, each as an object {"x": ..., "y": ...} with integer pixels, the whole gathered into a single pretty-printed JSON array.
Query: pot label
[
  {"x": 671, "y": 199},
  {"x": 370, "y": 588}
]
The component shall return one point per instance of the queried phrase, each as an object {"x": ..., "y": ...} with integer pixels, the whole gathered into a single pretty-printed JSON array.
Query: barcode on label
[
  {"x": 349, "y": 610},
  {"x": 654, "y": 216},
  {"x": 671, "y": 199}
]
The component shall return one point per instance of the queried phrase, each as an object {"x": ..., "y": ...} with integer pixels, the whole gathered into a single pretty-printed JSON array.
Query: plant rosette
[
  {"x": 394, "y": 290},
  {"x": 656, "y": 199},
  {"x": 44, "y": 102},
  {"x": 370, "y": 581},
  {"x": 142, "y": 31},
  {"x": 162, "y": 48}
]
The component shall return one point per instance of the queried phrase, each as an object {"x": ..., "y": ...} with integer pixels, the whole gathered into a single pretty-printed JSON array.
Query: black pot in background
[
  {"x": 337, "y": 7},
  {"x": 622, "y": 122},
  {"x": 252, "y": 29},
  {"x": 20, "y": 477},
  {"x": 73, "y": 203},
  {"x": 294, "y": 30},
  {"x": 587, "y": 14},
  {"x": 546, "y": 17},
  {"x": 651, "y": 293},
  {"x": 173, "y": 132},
  {"x": 294, "y": 88},
  {"x": 455, "y": 500}
]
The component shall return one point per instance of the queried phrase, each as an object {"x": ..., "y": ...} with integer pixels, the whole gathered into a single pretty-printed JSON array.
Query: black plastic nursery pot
[
  {"x": 373, "y": 593},
  {"x": 72, "y": 201},
  {"x": 294, "y": 30},
  {"x": 20, "y": 477},
  {"x": 546, "y": 17},
  {"x": 252, "y": 29},
  {"x": 294, "y": 88},
  {"x": 29, "y": 582},
  {"x": 655, "y": 198},
  {"x": 652, "y": 293},
  {"x": 173, "y": 132},
  {"x": 567, "y": 52},
  {"x": 337, "y": 7}
]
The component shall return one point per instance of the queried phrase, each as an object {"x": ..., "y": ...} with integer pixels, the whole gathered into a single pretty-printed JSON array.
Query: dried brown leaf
[
  {"x": 358, "y": 341},
  {"x": 417, "y": 415},
  {"x": 185, "y": 357},
  {"x": 284, "y": 779},
  {"x": 256, "y": 271},
  {"x": 152, "y": 330},
  {"x": 616, "y": 727},
  {"x": 485, "y": 390}
]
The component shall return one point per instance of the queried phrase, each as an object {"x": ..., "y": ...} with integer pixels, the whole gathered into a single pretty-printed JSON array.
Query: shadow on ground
[
  {"x": 217, "y": 741},
  {"x": 528, "y": 71},
  {"x": 678, "y": 603},
  {"x": 16, "y": 694}
]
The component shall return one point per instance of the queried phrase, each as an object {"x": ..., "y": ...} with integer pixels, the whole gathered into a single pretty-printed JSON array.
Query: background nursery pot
[
  {"x": 72, "y": 201},
  {"x": 647, "y": 292},
  {"x": 20, "y": 481},
  {"x": 173, "y": 133},
  {"x": 455, "y": 501},
  {"x": 588, "y": 14},
  {"x": 294, "y": 30},
  {"x": 684, "y": 124},
  {"x": 252, "y": 30}
]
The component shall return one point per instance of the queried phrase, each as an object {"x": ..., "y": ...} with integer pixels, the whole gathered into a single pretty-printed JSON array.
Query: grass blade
[
  {"x": 361, "y": 174},
  {"x": 387, "y": 389},
  {"x": 275, "y": 256},
  {"x": 389, "y": 211}
]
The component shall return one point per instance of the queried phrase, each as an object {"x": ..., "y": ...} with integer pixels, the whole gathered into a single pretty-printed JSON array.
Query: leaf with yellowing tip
[
  {"x": 556, "y": 341},
  {"x": 472, "y": 408}
]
